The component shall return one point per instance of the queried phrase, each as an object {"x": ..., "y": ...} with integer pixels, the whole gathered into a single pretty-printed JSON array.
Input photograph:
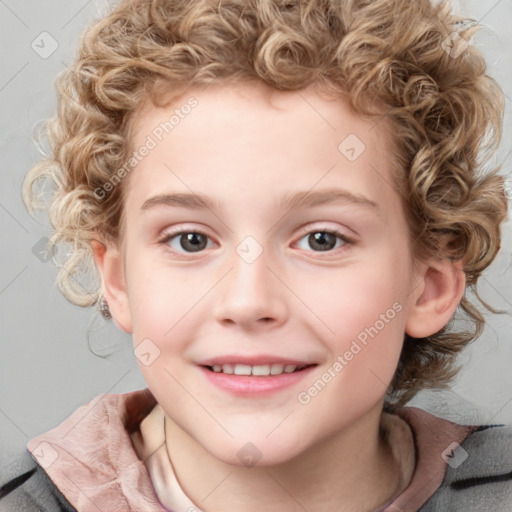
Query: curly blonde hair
[{"x": 407, "y": 61}]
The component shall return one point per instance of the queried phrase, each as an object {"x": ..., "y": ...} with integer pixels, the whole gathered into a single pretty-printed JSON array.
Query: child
[{"x": 324, "y": 160}]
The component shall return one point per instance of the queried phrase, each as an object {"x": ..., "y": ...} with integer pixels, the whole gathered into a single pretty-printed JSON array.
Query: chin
[{"x": 258, "y": 452}]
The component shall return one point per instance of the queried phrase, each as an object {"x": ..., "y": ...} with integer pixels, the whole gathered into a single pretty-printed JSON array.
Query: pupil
[
  {"x": 192, "y": 242},
  {"x": 322, "y": 240}
]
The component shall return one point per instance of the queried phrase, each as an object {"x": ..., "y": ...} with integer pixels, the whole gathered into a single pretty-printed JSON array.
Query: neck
[{"x": 353, "y": 470}]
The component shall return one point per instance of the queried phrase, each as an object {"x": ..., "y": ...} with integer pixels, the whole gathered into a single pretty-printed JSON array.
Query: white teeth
[
  {"x": 227, "y": 368},
  {"x": 276, "y": 369},
  {"x": 242, "y": 369},
  {"x": 262, "y": 370}
]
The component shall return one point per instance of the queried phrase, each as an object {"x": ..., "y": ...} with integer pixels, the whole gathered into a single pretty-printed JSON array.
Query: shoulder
[
  {"x": 24, "y": 486},
  {"x": 478, "y": 474}
]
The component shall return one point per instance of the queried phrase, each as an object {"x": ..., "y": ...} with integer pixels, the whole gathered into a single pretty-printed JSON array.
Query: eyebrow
[
  {"x": 333, "y": 195},
  {"x": 183, "y": 200},
  {"x": 288, "y": 202}
]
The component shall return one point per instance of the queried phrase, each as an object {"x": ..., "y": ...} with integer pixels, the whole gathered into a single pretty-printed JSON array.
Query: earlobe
[
  {"x": 441, "y": 290},
  {"x": 110, "y": 266}
]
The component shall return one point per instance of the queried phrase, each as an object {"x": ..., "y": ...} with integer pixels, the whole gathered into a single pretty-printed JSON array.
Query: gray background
[{"x": 46, "y": 368}]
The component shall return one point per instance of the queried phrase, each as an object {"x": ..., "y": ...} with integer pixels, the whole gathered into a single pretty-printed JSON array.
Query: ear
[
  {"x": 111, "y": 268},
  {"x": 442, "y": 286}
]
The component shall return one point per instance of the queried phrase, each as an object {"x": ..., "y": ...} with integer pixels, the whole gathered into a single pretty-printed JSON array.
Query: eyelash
[{"x": 170, "y": 236}]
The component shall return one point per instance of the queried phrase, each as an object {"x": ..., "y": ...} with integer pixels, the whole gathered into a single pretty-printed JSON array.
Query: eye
[
  {"x": 325, "y": 240},
  {"x": 187, "y": 241}
]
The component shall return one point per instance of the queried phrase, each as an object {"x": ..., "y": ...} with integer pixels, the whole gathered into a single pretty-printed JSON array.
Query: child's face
[{"x": 216, "y": 297}]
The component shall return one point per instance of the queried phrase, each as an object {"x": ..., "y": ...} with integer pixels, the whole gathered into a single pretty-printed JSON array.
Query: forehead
[
  {"x": 219, "y": 105},
  {"x": 256, "y": 139}
]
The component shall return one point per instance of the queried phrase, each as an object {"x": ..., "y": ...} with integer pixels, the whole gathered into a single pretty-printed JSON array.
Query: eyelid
[
  {"x": 171, "y": 234},
  {"x": 182, "y": 228},
  {"x": 313, "y": 226},
  {"x": 341, "y": 230}
]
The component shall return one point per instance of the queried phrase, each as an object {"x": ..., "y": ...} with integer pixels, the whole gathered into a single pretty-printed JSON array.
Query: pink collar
[
  {"x": 91, "y": 459},
  {"x": 434, "y": 439}
]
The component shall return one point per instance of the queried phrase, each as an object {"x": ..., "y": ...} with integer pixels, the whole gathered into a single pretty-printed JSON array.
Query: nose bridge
[
  {"x": 250, "y": 271},
  {"x": 251, "y": 293}
]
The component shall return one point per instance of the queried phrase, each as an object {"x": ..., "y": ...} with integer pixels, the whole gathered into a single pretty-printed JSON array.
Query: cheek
[
  {"x": 364, "y": 356},
  {"x": 364, "y": 323},
  {"x": 361, "y": 297},
  {"x": 159, "y": 296}
]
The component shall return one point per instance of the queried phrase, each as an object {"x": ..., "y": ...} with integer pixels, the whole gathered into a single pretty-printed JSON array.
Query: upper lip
[{"x": 253, "y": 360}]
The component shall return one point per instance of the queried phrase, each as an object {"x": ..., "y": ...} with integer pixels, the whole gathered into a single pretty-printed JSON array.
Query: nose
[{"x": 251, "y": 295}]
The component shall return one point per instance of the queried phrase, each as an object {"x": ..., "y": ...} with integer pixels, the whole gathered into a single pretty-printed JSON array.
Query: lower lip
[{"x": 250, "y": 385}]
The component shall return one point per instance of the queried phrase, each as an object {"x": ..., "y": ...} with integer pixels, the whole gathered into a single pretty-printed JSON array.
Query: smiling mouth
[{"x": 264, "y": 370}]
